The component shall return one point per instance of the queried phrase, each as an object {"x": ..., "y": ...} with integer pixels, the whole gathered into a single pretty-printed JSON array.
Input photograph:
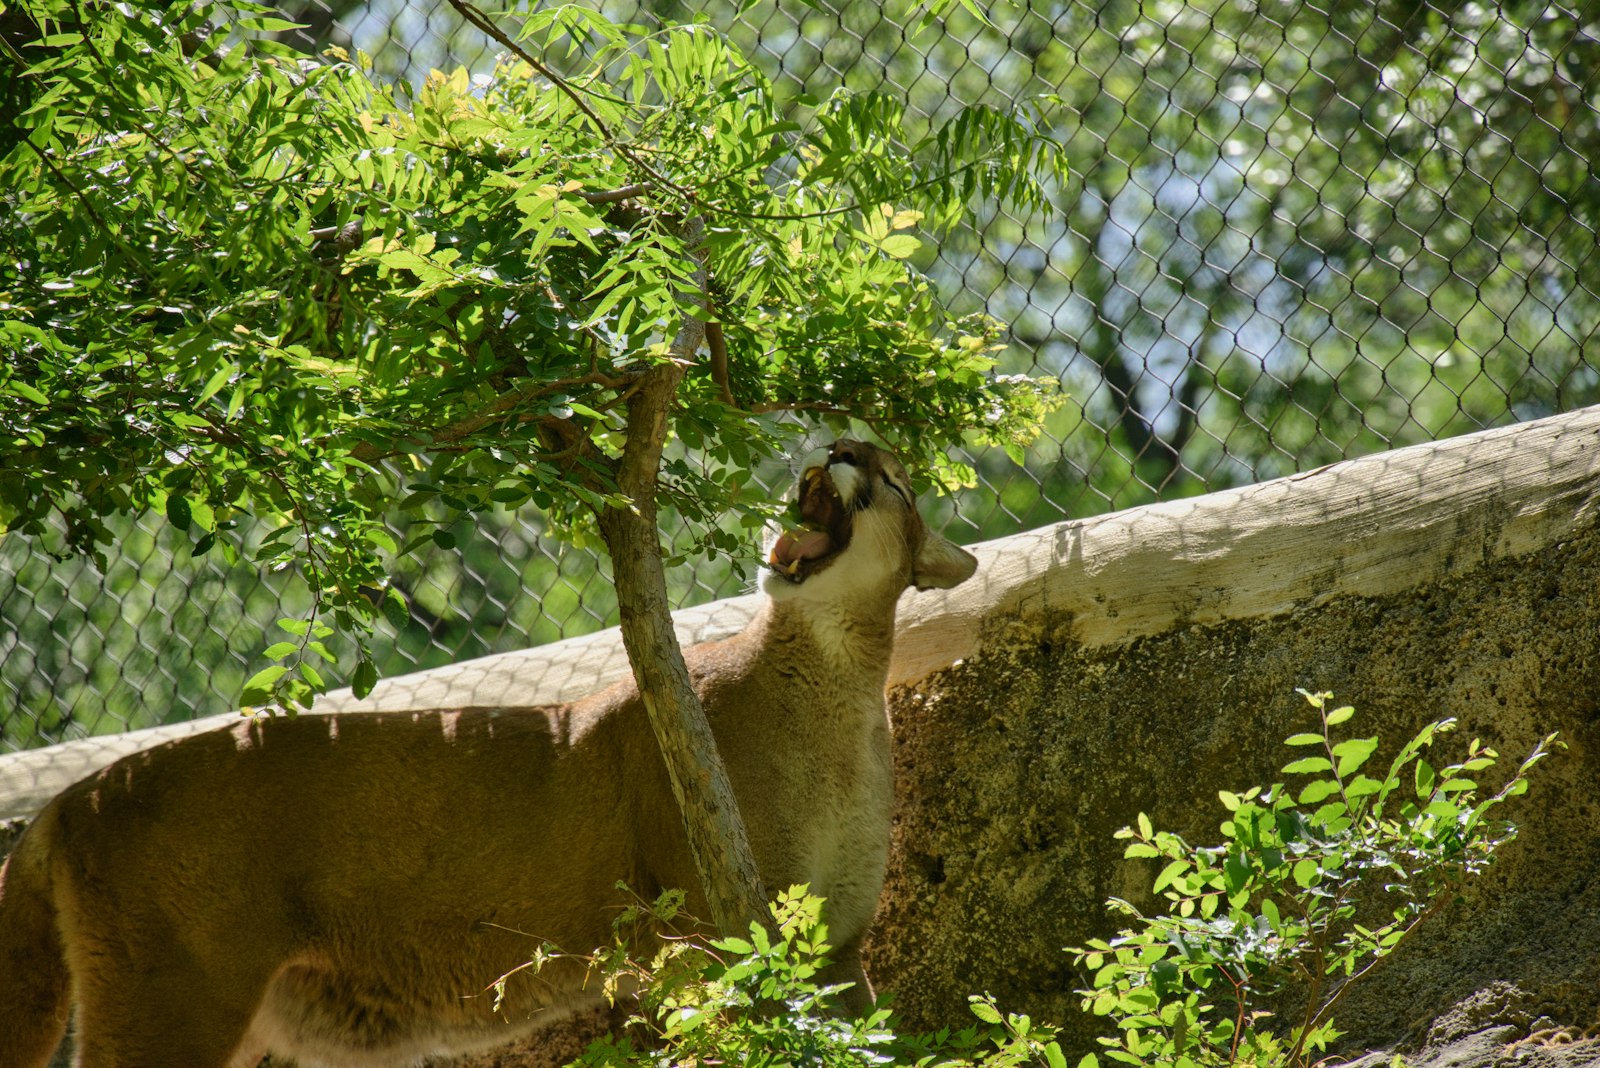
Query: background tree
[{"x": 1294, "y": 233}]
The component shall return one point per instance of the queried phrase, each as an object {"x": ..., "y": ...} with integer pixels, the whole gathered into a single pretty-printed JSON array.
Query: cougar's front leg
[{"x": 846, "y": 967}]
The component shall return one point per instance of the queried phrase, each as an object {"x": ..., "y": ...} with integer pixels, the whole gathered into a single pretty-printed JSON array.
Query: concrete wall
[
  {"x": 1143, "y": 660},
  {"x": 1148, "y": 659}
]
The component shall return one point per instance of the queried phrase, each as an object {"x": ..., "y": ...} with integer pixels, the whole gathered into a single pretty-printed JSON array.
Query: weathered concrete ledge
[{"x": 1142, "y": 660}]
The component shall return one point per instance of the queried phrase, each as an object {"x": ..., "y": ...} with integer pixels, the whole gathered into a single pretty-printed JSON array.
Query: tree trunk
[{"x": 716, "y": 831}]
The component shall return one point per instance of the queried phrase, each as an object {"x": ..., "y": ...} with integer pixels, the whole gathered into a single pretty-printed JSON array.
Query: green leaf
[
  {"x": 1362, "y": 786},
  {"x": 1329, "y": 813},
  {"x": 1303, "y": 739},
  {"x": 1168, "y": 874},
  {"x": 215, "y": 383},
  {"x": 178, "y": 511},
  {"x": 1235, "y": 874},
  {"x": 26, "y": 391},
  {"x": 1318, "y": 791},
  {"x": 394, "y": 608},
  {"x": 900, "y": 246},
  {"x": 257, "y": 689},
  {"x": 1353, "y": 753},
  {"x": 983, "y": 1009},
  {"x": 1308, "y": 766},
  {"x": 266, "y": 24},
  {"x": 364, "y": 679},
  {"x": 202, "y": 516},
  {"x": 382, "y": 539},
  {"x": 279, "y": 650},
  {"x": 1339, "y": 715},
  {"x": 1307, "y": 873}
]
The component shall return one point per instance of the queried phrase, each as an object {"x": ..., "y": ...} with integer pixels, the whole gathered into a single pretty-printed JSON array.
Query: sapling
[{"x": 759, "y": 1001}]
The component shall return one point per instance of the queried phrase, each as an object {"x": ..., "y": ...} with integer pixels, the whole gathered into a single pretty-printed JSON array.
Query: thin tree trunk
[{"x": 716, "y": 831}]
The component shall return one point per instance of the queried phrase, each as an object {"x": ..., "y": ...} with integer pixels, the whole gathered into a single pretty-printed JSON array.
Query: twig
[
  {"x": 88, "y": 206},
  {"x": 658, "y": 180},
  {"x": 718, "y": 344},
  {"x": 500, "y": 406},
  {"x": 1323, "y": 1013}
]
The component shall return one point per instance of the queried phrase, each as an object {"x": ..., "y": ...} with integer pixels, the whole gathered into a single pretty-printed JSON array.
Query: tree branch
[
  {"x": 494, "y": 411},
  {"x": 88, "y": 206},
  {"x": 718, "y": 344},
  {"x": 659, "y": 181},
  {"x": 612, "y": 196}
]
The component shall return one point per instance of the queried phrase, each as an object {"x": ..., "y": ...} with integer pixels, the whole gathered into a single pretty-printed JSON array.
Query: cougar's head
[{"x": 859, "y": 530}]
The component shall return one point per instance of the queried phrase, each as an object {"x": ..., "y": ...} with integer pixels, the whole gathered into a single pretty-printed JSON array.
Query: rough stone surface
[{"x": 1015, "y": 768}]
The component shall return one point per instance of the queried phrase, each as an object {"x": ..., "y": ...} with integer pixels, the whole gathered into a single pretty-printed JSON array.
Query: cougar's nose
[{"x": 842, "y": 452}]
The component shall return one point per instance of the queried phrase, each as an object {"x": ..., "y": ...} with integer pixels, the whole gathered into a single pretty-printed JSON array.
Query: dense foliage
[
  {"x": 760, "y": 1001},
  {"x": 240, "y": 283}
]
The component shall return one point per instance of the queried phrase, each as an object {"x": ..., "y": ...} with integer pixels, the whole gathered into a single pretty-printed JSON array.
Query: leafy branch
[{"x": 657, "y": 181}]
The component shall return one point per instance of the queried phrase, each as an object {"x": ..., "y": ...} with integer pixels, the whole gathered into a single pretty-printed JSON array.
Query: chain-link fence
[{"x": 1296, "y": 233}]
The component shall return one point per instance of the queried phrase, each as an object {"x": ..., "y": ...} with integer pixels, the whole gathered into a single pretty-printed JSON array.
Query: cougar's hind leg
[{"x": 177, "y": 1017}]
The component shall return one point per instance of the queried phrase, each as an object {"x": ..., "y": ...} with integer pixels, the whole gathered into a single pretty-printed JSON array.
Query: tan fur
[{"x": 343, "y": 889}]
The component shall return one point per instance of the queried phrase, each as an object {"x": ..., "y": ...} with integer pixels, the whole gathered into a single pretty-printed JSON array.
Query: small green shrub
[
  {"x": 1313, "y": 886},
  {"x": 756, "y": 1002}
]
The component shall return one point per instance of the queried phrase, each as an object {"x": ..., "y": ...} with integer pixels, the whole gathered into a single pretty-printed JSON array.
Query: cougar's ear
[{"x": 941, "y": 564}]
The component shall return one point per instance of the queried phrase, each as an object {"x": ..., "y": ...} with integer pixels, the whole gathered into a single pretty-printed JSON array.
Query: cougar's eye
[{"x": 887, "y": 481}]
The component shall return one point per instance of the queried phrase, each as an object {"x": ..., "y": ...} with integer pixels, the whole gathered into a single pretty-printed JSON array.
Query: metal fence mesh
[{"x": 1297, "y": 233}]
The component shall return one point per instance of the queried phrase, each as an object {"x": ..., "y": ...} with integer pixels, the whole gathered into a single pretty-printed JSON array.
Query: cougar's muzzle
[{"x": 825, "y": 518}]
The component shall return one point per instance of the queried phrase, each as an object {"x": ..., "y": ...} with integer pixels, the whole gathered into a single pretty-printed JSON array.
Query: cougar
[{"x": 342, "y": 890}]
